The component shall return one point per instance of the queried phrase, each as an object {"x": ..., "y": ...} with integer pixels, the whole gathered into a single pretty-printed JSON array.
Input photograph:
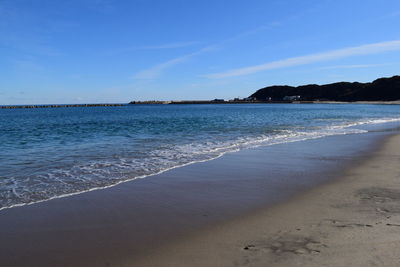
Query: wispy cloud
[
  {"x": 156, "y": 70},
  {"x": 163, "y": 46},
  {"x": 251, "y": 32},
  {"x": 102, "y": 6},
  {"x": 154, "y": 47},
  {"x": 392, "y": 15},
  {"x": 357, "y": 66},
  {"x": 311, "y": 58}
]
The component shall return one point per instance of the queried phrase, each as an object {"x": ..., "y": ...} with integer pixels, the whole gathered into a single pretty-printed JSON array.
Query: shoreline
[
  {"x": 195, "y": 102},
  {"x": 120, "y": 225},
  {"x": 353, "y": 220},
  {"x": 254, "y": 145}
]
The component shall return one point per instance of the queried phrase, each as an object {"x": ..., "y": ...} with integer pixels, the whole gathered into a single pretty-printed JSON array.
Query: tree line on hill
[{"x": 383, "y": 89}]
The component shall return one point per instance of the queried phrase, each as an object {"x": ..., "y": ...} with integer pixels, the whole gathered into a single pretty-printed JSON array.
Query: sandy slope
[{"x": 354, "y": 221}]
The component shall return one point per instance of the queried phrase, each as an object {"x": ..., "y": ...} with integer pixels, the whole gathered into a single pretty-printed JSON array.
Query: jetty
[
  {"x": 217, "y": 101},
  {"x": 61, "y": 106}
]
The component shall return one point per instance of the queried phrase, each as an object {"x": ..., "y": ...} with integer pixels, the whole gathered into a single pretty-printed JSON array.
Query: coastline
[
  {"x": 351, "y": 221},
  {"x": 212, "y": 102},
  {"x": 144, "y": 222},
  {"x": 194, "y": 102}
]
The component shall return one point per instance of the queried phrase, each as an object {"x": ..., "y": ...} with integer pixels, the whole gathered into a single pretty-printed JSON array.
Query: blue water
[{"x": 48, "y": 153}]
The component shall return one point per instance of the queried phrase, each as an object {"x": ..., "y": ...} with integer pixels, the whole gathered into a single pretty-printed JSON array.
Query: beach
[
  {"x": 321, "y": 202},
  {"x": 199, "y": 134},
  {"x": 353, "y": 221}
]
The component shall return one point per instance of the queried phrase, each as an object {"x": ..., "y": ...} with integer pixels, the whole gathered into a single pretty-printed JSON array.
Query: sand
[
  {"x": 332, "y": 201},
  {"x": 353, "y": 221}
]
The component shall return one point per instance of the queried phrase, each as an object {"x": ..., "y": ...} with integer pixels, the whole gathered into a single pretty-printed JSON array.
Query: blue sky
[{"x": 91, "y": 51}]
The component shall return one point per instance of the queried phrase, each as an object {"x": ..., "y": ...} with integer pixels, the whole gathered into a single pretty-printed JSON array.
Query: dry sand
[{"x": 353, "y": 221}]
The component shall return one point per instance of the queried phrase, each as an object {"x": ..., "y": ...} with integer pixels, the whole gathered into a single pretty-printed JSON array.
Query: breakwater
[
  {"x": 216, "y": 102},
  {"x": 61, "y": 106}
]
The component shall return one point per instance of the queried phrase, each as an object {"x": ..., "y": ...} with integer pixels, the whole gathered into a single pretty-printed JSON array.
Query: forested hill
[{"x": 383, "y": 89}]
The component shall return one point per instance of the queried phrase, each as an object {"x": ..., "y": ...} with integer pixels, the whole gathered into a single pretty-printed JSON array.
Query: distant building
[
  {"x": 219, "y": 100},
  {"x": 249, "y": 99},
  {"x": 292, "y": 98}
]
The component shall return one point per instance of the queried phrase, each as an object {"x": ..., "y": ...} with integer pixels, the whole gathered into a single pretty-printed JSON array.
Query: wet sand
[
  {"x": 353, "y": 221},
  {"x": 245, "y": 208}
]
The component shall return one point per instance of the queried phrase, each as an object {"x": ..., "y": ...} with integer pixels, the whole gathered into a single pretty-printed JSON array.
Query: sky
[{"x": 116, "y": 51}]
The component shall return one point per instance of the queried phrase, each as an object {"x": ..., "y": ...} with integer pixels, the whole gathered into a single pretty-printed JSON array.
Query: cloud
[
  {"x": 163, "y": 46},
  {"x": 102, "y": 6},
  {"x": 156, "y": 70},
  {"x": 359, "y": 66},
  {"x": 154, "y": 47},
  {"x": 393, "y": 14},
  {"x": 311, "y": 58}
]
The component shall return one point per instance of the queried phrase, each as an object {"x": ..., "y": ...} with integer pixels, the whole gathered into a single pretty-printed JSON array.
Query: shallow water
[{"x": 47, "y": 153}]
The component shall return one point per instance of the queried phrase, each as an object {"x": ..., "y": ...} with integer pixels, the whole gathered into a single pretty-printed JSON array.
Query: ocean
[{"x": 48, "y": 153}]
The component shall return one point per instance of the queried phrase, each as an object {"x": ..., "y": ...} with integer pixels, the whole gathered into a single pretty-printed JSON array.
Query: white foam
[{"x": 100, "y": 172}]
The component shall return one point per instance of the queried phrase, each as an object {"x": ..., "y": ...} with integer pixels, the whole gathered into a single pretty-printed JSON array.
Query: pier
[{"x": 61, "y": 106}]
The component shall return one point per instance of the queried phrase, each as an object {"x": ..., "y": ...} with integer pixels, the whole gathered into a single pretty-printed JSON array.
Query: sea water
[{"x": 47, "y": 153}]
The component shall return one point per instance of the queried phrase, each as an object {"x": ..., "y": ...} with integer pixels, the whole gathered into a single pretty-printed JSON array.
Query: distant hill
[{"x": 383, "y": 89}]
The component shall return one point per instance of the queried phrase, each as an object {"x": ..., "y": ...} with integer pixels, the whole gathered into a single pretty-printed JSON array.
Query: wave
[{"x": 96, "y": 175}]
